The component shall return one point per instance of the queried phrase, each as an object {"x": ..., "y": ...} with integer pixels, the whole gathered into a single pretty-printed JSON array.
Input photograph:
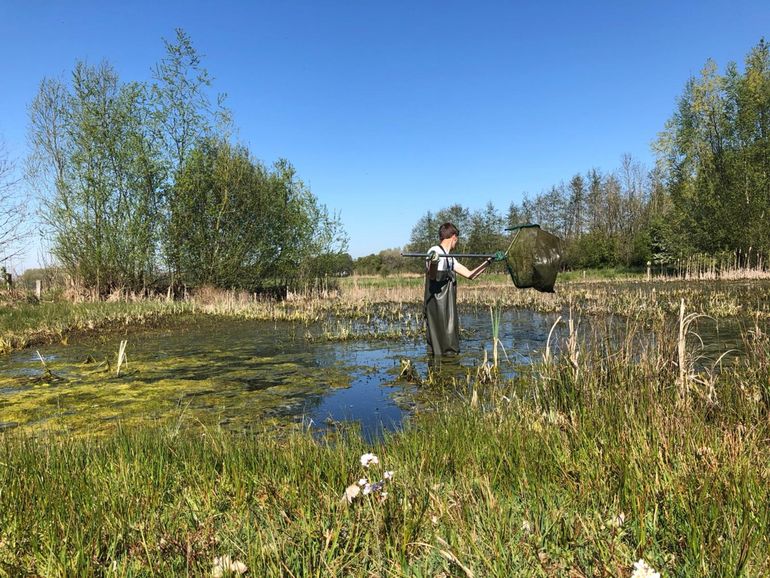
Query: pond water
[{"x": 243, "y": 375}]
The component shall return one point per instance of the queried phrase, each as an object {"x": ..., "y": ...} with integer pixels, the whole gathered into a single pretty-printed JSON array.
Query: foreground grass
[{"x": 579, "y": 467}]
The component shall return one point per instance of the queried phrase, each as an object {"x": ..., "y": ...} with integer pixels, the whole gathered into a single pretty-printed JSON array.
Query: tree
[
  {"x": 575, "y": 207},
  {"x": 92, "y": 151},
  {"x": 183, "y": 112},
  {"x": 425, "y": 232},
  {"x": 715, "y": 151},
  {"x": 12, "y": 210},
  {"x": 183, "y": 116},
  {"x": 236, "y": 223},
  {"x": 486, "y": 232}
]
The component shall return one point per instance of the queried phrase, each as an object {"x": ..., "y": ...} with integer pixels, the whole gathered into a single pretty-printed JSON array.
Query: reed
[{"x": 122, "y": 360}]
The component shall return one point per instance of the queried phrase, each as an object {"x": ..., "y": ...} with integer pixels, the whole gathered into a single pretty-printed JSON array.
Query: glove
[{"x": 499, "y": 256}]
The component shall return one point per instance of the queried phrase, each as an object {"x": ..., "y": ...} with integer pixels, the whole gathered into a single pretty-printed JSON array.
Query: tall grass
[{"x": 579, "y": 466}]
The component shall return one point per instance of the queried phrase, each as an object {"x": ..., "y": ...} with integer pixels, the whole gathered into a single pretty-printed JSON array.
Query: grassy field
[{"x": 583, "y": 464}]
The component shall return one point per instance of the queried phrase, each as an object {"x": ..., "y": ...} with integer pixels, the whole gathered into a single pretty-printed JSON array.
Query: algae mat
[{"x": 236, "y": 374}]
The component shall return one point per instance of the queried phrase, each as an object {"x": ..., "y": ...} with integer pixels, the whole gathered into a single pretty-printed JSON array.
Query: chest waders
[{"x": 440, "y": 304}]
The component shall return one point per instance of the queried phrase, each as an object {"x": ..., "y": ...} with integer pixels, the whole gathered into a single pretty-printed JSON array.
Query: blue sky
[{"x": 391, "y": 109}]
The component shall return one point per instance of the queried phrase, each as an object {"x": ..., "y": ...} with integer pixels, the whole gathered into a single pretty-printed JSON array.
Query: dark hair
[{"x": 447, "y": 230}]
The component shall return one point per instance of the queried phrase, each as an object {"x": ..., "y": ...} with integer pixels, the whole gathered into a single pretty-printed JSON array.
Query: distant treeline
[
  {"x": 143, "y": 186},
  {"x": 709, "y": 193}
]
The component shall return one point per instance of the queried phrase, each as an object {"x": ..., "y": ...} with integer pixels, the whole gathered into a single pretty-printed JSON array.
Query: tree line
[
  {"x": 709, "y": 193},
  {"x": 143, "y": 185}
]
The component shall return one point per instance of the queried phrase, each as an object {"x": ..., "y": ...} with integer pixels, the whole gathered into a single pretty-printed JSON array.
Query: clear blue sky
[{"x": 391, "y": 109}]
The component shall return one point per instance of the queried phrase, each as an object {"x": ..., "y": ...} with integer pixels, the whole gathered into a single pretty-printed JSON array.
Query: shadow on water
[{"x": 247, "y": 375}]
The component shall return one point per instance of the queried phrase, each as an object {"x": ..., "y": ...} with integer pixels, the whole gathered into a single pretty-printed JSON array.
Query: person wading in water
[{"x": 440, "y": 303}]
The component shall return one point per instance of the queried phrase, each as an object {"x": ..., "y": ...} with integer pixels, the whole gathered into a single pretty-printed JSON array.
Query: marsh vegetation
[{"x": 620, "y": 435}]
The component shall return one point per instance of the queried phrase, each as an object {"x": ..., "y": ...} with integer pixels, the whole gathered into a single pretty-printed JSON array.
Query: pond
[{"x": 245, "y": 375}]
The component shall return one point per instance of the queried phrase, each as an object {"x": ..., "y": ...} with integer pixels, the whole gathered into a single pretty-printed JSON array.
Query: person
[{"x": 440, "y": 303}]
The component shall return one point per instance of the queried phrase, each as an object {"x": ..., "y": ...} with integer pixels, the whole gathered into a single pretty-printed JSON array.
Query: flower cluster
[
  {"x": 642, "y": 570},
  {"x": 366, "y": 486},
  {"x": 225, "y": 565},
  {"x": 369, "y": 459}
]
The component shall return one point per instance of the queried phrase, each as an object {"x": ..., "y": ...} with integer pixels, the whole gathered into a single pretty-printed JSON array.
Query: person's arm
[{"x": 461, "y": 269}]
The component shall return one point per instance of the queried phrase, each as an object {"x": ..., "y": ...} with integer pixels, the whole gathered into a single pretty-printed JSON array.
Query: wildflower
[
  {"x": 368, "y": 459},
  {"x": 367, "y": 489},
  {"x": 362, "y": 482},
  {"x": 526, "y": 527},
  {"x": 226, "y": 565},
  {"x": 350, "y": 493},
  {"x": 388, "y": 475},
  {"x": 383, "y": 496},
  {"x": 642, "y": 570}
]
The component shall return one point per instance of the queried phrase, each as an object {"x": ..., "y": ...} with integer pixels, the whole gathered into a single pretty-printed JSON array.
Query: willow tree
[
  {"x": 236, "y": 223},
  {"x": 94, "y": 157}
]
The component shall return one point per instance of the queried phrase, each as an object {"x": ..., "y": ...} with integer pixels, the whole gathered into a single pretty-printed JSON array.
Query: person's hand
[{"x": 499, "y": 256}]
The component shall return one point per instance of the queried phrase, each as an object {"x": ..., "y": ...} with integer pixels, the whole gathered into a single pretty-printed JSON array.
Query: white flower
[
  {"x": 642, "y": 570},
  {"x": 388, "y": 475},
  {"x": 383, "y": 496},
  {"x": 362, "y": 482},
  {"x": 226, "y": 565},
  {"x": 526, "y": 527},
  {"x": 367, "y": 489},
  {"x": 368, "y": 459},
  {"x": 350, "y": 493}
]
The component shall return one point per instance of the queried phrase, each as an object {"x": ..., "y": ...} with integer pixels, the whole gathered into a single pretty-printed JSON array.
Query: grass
[{"x": 579, "y": 466}]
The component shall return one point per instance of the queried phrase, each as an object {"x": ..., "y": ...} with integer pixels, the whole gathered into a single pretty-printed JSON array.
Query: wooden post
[
  {"x": 649, "y": 272},
  {"x": 38, "y": 288}
]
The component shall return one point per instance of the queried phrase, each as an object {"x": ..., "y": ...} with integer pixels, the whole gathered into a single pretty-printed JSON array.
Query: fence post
[{"x": 38, "y": 288}]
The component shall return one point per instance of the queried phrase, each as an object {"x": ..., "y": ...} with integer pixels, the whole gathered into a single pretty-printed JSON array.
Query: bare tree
[{"x": 12, "y": 209}]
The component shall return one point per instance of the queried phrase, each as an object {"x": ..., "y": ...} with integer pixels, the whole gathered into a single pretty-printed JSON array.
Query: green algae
[{"x": 231, "y": 374}]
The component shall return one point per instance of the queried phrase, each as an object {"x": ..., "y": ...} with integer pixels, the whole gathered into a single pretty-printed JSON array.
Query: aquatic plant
[{"x": 121, "y": 357}]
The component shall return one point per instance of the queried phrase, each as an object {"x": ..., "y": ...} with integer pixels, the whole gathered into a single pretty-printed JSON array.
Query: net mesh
[{"x": 534, "y": 259}]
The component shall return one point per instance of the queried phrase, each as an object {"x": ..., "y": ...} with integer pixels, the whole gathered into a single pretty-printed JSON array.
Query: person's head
[{"x": 446, "y": 231}]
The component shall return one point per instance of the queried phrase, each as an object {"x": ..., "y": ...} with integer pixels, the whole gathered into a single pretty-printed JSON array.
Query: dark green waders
[{"x": 442, "y": 324}]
